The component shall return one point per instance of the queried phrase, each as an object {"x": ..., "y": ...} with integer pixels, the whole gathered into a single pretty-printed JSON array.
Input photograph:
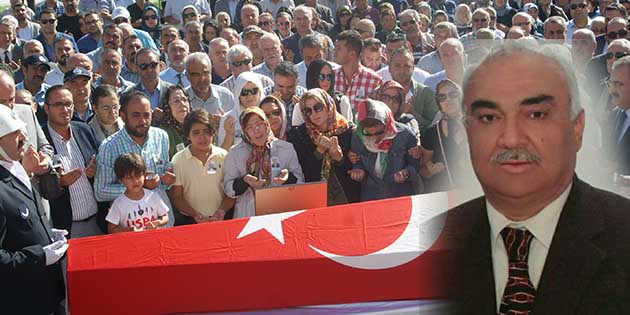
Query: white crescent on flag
[{"x": 425, "y": 224}]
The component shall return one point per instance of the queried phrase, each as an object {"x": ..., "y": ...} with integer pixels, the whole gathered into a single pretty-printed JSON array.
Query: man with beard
[
  {"x": 150, "y": 84},
  {"x": 177, "y": 51},
  {"x": 109, "y": 69},
  {"x": 215, "y": 99},
  {"x": 35, "y": 68},
  {"x": 131, "y": 46},
  {"x": 286, "y": 88},
  {"x": 138, "y": 137},
  {"x": 26, "y": 29},
  {"x": 94, "y": 24},
  {"x": 69, "y": 21},
  {"x": 49, "y": 34},
  {"x": 112, "y": 39},
  {"x": 78, "y": 81},
  {"x": 63, "y": 51}
]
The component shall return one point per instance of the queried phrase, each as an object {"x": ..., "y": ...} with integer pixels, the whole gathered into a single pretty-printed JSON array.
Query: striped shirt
[
  {"x": 82, "y": 200},
  {"x": 359, "y": 87},
  {"x": 154, "y": 153}
]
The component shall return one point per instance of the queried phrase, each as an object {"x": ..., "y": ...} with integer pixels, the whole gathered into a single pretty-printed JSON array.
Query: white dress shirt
[
  {"x": 542, "y": 226},
  {"x": 16, "y": 169}
]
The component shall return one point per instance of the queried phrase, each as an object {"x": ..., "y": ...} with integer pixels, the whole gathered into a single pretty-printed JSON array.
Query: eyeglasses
[
  {"x": 618, "y": 34},
  {"x": 575, "y": 6},
  {"x": 277, "y": 113},
  {"x": 65, "y": 105},
  {"x": 617, "y": 55},
  {"x": 404, "y": 24},
  {"x": 441, "y": 97},
  {"x": 108, "y": 108},
  {"x": 378, "y": 133},
  {"x": 480, "y": 20},
  {"x": 241, "y": 63},
  {"x": 187, "y": 15},
  {"x": 287, "y": 23},
  {"x": 195, "y": 75},
  {"x": 247, "y": 92},
  {"x": 328, "y": 77},
  {"x": 387, "y": 98},
  {"x": 151, "y": 17},
  {"x": 257, "y": 126},
  {"x": 521, "y": 24},
  {"x": 145, "y": 66},
  {"x": 308, "y": 111},
  {"x": 49, "y": 21}
]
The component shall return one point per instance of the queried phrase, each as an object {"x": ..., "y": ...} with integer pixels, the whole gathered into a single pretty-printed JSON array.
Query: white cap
[
  {"x": 9, "y": 122},
  {"x": 121, "y": 12}
]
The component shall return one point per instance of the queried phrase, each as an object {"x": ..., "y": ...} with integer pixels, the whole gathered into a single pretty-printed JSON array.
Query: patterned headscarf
[
  {"x": 169, "y": 119},
  {"x": 391, "y": 84},
  {"x": 377, "y": 110},
  {"x": 337, "y": 124},
  {"x": 258, "y": 163}
]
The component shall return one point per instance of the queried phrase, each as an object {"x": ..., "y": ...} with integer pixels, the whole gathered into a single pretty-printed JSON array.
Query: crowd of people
[{"x": 142, "y": 115}]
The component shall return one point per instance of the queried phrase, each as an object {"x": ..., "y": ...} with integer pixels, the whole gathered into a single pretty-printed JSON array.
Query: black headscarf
[{"x": 312, "y": 75}]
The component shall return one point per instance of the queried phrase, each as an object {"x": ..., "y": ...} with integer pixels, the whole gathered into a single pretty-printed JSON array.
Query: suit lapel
[
  {"x": 16, "y": 183},
  {"x": 573, "y": 258}
]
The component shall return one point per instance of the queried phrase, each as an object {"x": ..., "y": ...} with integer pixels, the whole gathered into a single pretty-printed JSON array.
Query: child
[{"x": 138, "y": 208}]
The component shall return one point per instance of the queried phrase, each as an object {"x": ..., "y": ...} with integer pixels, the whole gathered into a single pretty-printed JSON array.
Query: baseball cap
[
  {"x": 36, "y": 60},
  {"x": 121, "y": 12},
  {"x": 252, "y": 29},
  {"x": 9, "y": 122},
  {"x": 76, "y": 72}
]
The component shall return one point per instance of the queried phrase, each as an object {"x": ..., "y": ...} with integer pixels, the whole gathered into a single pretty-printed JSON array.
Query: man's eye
[
  {"x": 487, "y": 118},
  {"x": 538, "y": 115}
]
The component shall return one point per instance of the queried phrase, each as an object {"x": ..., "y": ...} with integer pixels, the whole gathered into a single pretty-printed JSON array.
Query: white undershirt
[
  {"x": 16, "y": 169},
  {"x": 542, "y": 226}
]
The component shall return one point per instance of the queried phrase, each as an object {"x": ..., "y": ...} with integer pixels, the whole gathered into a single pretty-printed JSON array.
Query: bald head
[{"x": 80, "y": 60}]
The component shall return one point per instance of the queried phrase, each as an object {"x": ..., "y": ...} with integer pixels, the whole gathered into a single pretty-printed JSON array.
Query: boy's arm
[
  {"x": 162, "y": 220},
  {"x": 113, "y": 228}
]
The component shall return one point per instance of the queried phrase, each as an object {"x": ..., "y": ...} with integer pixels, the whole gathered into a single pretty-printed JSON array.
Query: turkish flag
[{"x": 371, "y": 251}]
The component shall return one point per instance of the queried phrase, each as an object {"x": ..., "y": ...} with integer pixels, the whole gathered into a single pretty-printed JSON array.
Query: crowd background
[{"x": 190, "y": 106}]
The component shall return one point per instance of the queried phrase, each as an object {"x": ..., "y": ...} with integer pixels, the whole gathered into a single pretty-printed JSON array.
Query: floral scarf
[
  {"x": 377, "y": 110},
  {"x": 258, "y": 163},
  {"x": 337, "y": 124}
]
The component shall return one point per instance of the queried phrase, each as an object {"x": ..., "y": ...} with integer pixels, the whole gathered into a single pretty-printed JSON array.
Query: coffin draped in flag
[{"x": 372, "y": 251}]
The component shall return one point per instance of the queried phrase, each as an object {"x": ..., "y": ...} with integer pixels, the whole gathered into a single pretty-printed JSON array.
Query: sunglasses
[
  {"x": 145, "y": 66},
  {"x": 277, "y": 113},
  {"x": 387, "y": 98},
  {"x": 617, "y": 55},
  {"x": 441, "y": 97},
  {"x": 618, "y": 34},
  {"x": 49, "y": 21},
  {"x": 328, "y": 77},
  {"x": 378, "y": 133},
  {"x": 480, "y": 20},
  {"x": 247, "y": 92},
  {"x": 344, "y": 14},
  {"x": 264, "y": 23},
  {"x": 309, "y": 111},
  {"x": 284, "y": 23},
  {"x": 575, "y": 6},
  {"x": 187, "y": 15},
  {"x": 404, "y": 24},
  {"x": 150, "y": 17},
  {"x": 241, "y": 63}
]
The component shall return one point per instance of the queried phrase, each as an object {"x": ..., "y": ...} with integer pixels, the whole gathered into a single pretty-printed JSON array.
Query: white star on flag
[{"x": 272, "y": 223}]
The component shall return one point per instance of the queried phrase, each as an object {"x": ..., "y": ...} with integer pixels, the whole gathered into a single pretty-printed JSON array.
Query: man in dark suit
[
  {"x": 29, "y": 249},
  {"x": 619, "y": 90},
  {"x": 147, "y": 62},
  {"x": 540, "y": 241},
  {"x": 75, "y": 147},
  {"x": 11, "y": 52}
]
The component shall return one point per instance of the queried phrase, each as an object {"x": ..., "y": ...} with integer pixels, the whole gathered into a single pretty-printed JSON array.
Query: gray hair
[
  {"x": 33, "y": 42},
  {"x": 413, "y": 13},
  {"x": 557, "y": 54},
  {"x": 529, "y": 17},
  {"x": 369, "y": 24},
  {"x": 270, "y": 36},
  {"x": 447, "y": 26},
  {"x": 238, "y": 50},
  {"x": 622, "y": 62},
  {"x": 622, "y": 42},
  {"x": 219, "y": 40},
  {"x": 197, "y": 57},
  {"x": 312, "y": 40},
  {"x": 10, "y": 21},
  {"x": 191, "y": 24},
  {"x": 557, "y": 20},
  {"x": 588, "y": 32},
  {"x": 304, "y": 8}
]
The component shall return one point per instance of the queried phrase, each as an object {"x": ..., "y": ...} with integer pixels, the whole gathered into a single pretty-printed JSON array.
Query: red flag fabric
[{"x": 371, "y": 251}]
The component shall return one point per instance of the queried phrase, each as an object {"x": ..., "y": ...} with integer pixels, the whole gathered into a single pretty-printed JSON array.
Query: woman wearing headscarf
[
  {"x": 176, "y": 107},
  {"x": 260, "y": 160},
  {"x": 320, "y": 74},
  {"x": 342, "y": 16},
  {"x": 276, "y": 114},
  {"x": 189, "y": 13},
  {"x": 248, "y": 92},
  {"x": 151, "y": 22},
  {"x": 393, "y": 95},
  {"x": 385, "y": 168},
  {"x": 504, "y": 14},
  {"x": 322, "y": 145},
  {"x": 463, "y": 19},
  {"x": 445, "y": 141}
]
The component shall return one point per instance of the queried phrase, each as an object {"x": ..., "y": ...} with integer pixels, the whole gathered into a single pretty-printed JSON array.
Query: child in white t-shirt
[{"x": 138, "y": 209}]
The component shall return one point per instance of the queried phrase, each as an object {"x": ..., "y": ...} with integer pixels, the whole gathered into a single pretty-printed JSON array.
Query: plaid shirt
[
  {"x": 360, "y": 86},
  {"x": 154, "y": 153}
]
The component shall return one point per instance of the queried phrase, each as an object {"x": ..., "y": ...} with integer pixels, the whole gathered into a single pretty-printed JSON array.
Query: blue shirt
[
  {"x": 124, "y": 84},
  {"x": 49, "y": 50},
  {"x": 263, "y": 69},
  {"x": 154, "y": 152},
  {"x": 170, "y": 75},
  {"x": 146, "y": 39},
  {"x": 87, "y": 43},
  {"x": 128, "y": 75},
  {"x": 39, "y": 96},
  {"x": 299, "y": 91},
  {"x": 59, "y": 10},
  {"x": 154, "y": 97},
  {"x": 220, "y": 101}
]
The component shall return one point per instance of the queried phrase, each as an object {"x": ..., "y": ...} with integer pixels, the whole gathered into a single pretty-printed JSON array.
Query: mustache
[{"x": 521, "y": 155}]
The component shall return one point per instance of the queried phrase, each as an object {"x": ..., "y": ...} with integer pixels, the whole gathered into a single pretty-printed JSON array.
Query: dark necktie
[
  {"x": 179, "y": 79},
  {"x": 519, "y": 293},
  {"x": 7, "y": 60}
]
